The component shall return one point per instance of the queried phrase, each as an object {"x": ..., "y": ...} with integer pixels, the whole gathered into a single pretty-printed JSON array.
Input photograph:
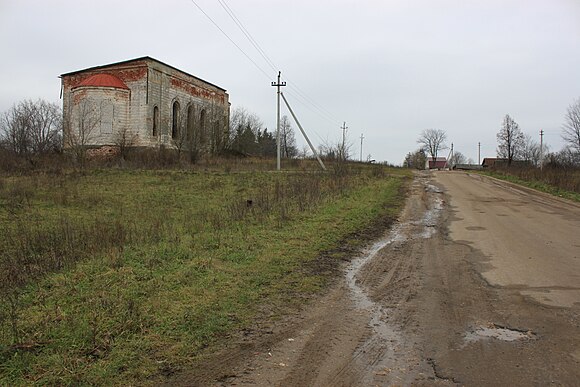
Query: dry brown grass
[{"x": 567, "y": 179}]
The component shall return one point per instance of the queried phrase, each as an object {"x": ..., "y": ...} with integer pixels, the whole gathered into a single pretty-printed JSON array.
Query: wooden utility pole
[
  {"x": 344, "y": 128},
  {"x": 278, "y": 85},
  {"x": 361, "y": 148},
  {"x": 479, "y": 153},
  {"x": 541, "y": 149},
  {"x": 450, "y": 161}
]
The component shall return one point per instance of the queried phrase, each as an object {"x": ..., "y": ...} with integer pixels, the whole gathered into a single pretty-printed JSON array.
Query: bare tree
[
  {"x": 458, "y": 158},
  {"x": 571, "y": 129},
  {"x": 343, "y": 149},
  {"x": 124, "y": 140},
  {"x": 327, "y": 151},
  {"x": 245, "y": 129},
  {"x": 80, "y": 131},
  {"x": 287, "y": 138},
  {"x": 415, "y": 159},
  {"x": 219, "y": 131},
  {"x": 179, "y": 137},
  {"x": 14, "y": 125},
  {"x": 531, "y": 150},
  {"x": 32, "y": 127},
  {"x": 510, "y": 140},
  {"x": 432, "y": 141},
  {"x": 566, "y": 158},
  {"x": 192, "y": 136},
  {"x": 46, "y": 126}
]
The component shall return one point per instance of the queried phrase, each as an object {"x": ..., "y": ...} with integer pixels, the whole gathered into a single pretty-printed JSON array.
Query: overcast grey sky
[{"x": 388, "y": 68}]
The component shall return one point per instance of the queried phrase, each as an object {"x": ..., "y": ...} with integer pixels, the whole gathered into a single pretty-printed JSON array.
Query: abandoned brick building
[{"x": 143, "y": 103}]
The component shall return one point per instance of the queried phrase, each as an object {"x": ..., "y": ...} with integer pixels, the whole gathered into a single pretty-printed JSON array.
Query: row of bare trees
[
  {"x": 35, "y": 127},
  {"x": 32, "y": 127},
  {"x": 512, "y": 144}
]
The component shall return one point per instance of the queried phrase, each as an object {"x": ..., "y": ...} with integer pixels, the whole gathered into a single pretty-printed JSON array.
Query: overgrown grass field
[
  {"x": 112, "y": 277},
  {"x": 562, "y": 182}
]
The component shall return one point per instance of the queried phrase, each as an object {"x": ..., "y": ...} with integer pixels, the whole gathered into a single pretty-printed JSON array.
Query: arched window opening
[
  {"x": 175, "y": 120},
  {"x": 190, "y": 123},
  {"x": 202, "y": 129},
  {"x": 155, "y": 120}
]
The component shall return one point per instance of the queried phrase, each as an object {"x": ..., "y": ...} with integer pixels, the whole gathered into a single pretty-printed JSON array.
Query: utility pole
[
  {"x": 277, "y": 85},
  {"x": 361, "y": 148},
  {"x": 479, "y": 153},
  {"x": 344, "y": 128},
  {"x": 541, "y": 149},
  {"x": 450, "y": 161}
]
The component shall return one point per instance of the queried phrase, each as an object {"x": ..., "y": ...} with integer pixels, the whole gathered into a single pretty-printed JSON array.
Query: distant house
[
  {"x": 490, "y": 162},
  {"x": 438, "y": 163}
]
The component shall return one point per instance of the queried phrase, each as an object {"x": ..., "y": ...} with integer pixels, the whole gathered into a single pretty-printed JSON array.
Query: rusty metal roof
[
  {"x": 103, "y": 80},
  {"x": 144, "y": 58}
]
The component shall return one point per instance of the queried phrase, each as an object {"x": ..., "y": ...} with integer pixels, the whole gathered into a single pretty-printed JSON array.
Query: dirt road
[{"x": 477, "y": 284}]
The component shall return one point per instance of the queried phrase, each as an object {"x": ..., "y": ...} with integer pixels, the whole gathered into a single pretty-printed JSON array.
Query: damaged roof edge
[{"x": 139, "y": 59}]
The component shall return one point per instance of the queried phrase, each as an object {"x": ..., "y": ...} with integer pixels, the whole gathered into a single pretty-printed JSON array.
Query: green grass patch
[{"x": 116, "y": 277}]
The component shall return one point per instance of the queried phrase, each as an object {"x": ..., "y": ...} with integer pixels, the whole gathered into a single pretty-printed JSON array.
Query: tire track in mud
[
  {"x": 382, "y": 279},
  {"x": 353, "y": 335}
]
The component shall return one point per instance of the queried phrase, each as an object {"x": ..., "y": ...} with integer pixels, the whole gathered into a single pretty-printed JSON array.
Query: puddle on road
[
  {"x": 381, "y": 330},
  {"x": 399, "y": 233},
  {"x": 493, "y": 331},
  {"x": 424, "y": 228},
  {"x": 431, "y": 217},
  {"x": 360, "y": 297}
]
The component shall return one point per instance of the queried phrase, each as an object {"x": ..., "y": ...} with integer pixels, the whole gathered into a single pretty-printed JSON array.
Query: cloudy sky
[{"x": 388, "y": 68}]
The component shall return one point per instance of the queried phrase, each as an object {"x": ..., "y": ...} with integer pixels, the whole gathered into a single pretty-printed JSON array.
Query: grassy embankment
[
  {"x": 117, "y": 277},
  {"x": 556, "y": 181}
]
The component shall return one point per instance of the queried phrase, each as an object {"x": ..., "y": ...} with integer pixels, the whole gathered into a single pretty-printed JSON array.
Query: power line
[
  {"x": 312, "y": 110},
  {"x": 314, "y": 107},
  {"x": 245, "y": 31},
  {"x": 230, "y": 39},
  {"x": 322, "y": 111},
  {"x": 265, "y": 56}
]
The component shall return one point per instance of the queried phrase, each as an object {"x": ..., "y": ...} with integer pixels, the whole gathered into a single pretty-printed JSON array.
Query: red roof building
[
  {"x": 145, "y": 102},
  {"x": 438, "y": 163}
]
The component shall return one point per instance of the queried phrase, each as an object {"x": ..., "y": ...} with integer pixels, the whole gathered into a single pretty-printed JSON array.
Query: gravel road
[{"x": 478, "y": 283}]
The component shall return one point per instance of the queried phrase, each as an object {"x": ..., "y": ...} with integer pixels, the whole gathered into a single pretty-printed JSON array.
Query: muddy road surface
[{"x": 477, "y": 284}]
